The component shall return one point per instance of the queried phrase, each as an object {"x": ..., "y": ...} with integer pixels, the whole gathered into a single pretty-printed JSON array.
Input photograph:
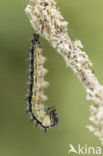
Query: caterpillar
[{"x": 44, "y": 116}]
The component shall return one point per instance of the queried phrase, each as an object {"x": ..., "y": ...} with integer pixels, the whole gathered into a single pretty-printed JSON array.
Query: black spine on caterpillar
[{"x": 46, "y": 117}]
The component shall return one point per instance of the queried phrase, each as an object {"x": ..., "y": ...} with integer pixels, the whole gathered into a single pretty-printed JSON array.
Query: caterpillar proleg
[{"x": 45, "y": 117}]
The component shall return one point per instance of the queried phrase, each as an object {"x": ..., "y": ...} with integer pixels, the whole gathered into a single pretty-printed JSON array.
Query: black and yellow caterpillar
[{"x": 45, "y": 117}]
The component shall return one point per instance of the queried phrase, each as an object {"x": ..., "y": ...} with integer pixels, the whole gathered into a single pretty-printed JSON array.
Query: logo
[{"x": 84, "y": 149}]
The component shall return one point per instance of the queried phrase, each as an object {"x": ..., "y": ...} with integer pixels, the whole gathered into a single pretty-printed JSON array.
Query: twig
[{"x": 47, "y": 20}]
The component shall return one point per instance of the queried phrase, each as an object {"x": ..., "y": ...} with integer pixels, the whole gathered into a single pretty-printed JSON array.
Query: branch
[{"x": 47, "y": 20}]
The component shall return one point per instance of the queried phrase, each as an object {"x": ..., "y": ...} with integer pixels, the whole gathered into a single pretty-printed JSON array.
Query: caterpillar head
[{"x": 51, "y": 118}]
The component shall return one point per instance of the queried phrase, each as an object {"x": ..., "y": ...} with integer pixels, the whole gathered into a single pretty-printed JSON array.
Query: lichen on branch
[{"x": 47, "y": 20}]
